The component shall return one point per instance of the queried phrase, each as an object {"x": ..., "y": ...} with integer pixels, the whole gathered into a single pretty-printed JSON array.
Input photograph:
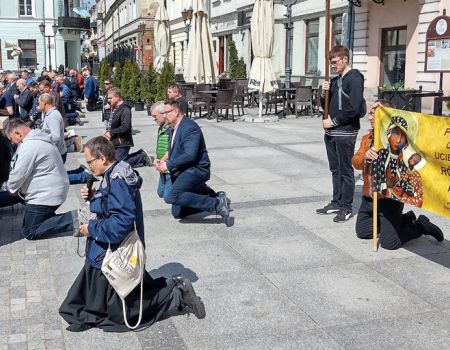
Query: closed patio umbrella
[
  {"x": 262, "y": 77},
  {"x": 200, "y": 66},
  {"x": 162, "y": 37}
]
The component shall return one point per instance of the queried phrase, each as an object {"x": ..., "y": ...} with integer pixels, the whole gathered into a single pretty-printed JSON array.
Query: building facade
[
  {"x": 59, "y": 44},
  {"x": 124, "y": 29},
  {"x": 389, "y": 44},
  {"x": 386, "y": 38}
]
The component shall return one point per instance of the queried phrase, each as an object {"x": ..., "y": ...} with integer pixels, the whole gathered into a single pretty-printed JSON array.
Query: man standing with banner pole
[{"x": 343, "y": 103}]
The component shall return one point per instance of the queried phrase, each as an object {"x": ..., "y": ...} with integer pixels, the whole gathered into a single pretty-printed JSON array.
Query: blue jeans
[
  {"x": 122, "y": 153},
  {"x": 40, "y": 221},
  {"x": 77, "y": 176},
  {"x": 136, "y": 159},
  {"x": 190, "y": 195},
  {"x": 340, "y": 150},
  {"x": 164, "y": 185},
  {"x": 7, "y": 199}
]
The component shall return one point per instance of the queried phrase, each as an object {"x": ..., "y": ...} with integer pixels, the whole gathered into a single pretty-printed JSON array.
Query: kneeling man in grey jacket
[{"x": 39, "y": 177}]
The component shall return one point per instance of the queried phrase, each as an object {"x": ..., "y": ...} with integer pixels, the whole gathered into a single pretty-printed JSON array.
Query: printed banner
[{"x": 413, "y": 164}]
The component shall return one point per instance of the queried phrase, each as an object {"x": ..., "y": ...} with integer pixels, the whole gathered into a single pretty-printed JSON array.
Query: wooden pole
[
  {"x": 375, "y": 194},
  {"x": 327, "y": 56},
  {"x": 375, "y": 222}
]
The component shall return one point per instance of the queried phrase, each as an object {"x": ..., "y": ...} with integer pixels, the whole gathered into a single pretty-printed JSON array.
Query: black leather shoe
[
  {"x": 222, "y": 208},
  {"x": 427, "y": 228},
  {"x": 189, "y": 300},
  {"x": 223, "y": 194}
]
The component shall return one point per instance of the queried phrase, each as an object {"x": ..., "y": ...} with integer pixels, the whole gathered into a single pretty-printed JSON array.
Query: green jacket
[{"x": 162, "y": 143}]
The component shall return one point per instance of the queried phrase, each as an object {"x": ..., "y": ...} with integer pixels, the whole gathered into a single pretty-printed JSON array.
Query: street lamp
[
  {"x": 42, "y": 30},
  {"x": 289, "y": 27},
  {"x": 141, "y": 29},
  {"x": 187, "y": 19}
]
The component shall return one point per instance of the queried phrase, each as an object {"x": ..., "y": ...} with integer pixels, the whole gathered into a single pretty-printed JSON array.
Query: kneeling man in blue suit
[{"x": 189, "y": 167}]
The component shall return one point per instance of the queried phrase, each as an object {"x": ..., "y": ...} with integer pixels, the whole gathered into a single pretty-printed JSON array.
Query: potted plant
[
  {"x": 165, "y": 78},
  {"x": 104, "y": 73},
  {"x": 127, "y": 73},
  {"x": 401, "y": 97},
  {"x": 117, "y": 74},
  {"x": 238, "y": 68},
  {"x": 135, "y": 93},
  {"x": 148, "y": 88}
]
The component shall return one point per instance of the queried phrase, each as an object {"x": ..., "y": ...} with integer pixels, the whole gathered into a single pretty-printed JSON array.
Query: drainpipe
[{"x": 351, "y": 29}]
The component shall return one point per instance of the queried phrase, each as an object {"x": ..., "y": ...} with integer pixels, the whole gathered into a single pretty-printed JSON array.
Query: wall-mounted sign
[
  {"x": 437, "y": 53},
  {"x": 244, "y": 17},
  {"x": 226, "y": 25}
]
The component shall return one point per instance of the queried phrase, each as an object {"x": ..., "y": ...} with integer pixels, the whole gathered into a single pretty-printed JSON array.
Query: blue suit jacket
[{"x": 189, "y": 149}]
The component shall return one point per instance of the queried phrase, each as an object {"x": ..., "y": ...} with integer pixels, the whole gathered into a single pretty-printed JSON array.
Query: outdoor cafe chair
[
  {"x": 302, "y": 101},
  {"x": 273, "y": 99},
  {"x": 238, "y": 98},
  {"x": 194, "y": 102},
  {"x": 224, "y": 100}
]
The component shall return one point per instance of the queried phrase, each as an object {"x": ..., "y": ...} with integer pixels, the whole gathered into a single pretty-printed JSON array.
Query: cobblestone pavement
[{"x": 280, "y": 278}]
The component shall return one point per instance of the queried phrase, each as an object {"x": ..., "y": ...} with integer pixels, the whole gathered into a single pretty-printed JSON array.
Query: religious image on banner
[{"x": 413, "y": 164}]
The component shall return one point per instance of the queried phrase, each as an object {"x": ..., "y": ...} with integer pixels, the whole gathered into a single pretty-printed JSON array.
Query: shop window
[
  {"x": 312, "y": 45},
  {"x": 28, "y": 56},
  {"x": 26, "y": 7},
  {"x": 0, "y": 54},
  {"x": 337, "y": 38},
  {"x": 393, "y": 56}
]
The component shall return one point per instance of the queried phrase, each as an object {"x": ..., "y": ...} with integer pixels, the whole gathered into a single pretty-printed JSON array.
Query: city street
[{"x": 281, "y": 277}]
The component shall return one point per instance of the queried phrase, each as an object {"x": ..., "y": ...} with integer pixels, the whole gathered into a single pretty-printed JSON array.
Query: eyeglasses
[
  {"x": 165, "y": 113},
  {"x": 89, "y": 162},
  {"x": 335, "y": 62}
]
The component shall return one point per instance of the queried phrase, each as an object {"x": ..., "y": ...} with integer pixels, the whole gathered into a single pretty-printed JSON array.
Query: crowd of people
[
  {"x": 19, "y": 96},
  {"x": 32, "y": 164},
  {"x": 38, "y": 179}
]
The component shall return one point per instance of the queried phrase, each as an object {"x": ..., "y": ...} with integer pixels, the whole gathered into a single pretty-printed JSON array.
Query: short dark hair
[
  {"x": 100, "y": 146},
  {"x": 340, "y": 51},
  {"x": 176, "y": 104},
  {"x": 385, "y": 103},
  {"x": 175, "y": 87},
  {"x": 43, "y": 78},
  {"x": 13, "y": 124}
]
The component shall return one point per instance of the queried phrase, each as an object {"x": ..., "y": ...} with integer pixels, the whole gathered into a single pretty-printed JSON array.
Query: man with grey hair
[
  {"x": 24, "y": 99},
  {"x": 38, "y": 176},
  {"x": 53, "y": 123},
  {"x": 11, "y": 79}
]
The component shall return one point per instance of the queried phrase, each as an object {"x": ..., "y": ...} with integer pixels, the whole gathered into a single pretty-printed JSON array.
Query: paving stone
[
  {"x": 281, "y": 277},
  {"x": 347, "y": 294}
]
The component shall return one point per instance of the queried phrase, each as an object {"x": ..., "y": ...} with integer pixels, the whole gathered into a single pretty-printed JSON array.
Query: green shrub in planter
[
  {"x": 148, "y": 86},
  {"x": 165, "y": 78},
  {"x": 127, "y": 72},
  {"x": 117, "y": 74}
]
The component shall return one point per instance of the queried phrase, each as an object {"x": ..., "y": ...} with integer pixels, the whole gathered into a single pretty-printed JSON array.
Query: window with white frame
[
  {"x": 28, "y": 57},
  {"x": 26, "y": 7},
  {"x": 312, "y": 45}
]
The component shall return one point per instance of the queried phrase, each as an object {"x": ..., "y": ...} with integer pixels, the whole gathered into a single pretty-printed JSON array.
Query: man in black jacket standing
[
  {"x": 119, "y": 126},
  {"x": 341, "y": 129}
]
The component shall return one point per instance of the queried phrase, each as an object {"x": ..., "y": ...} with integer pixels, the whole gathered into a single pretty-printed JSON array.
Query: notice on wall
[{"x": 438, "y": 55}]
